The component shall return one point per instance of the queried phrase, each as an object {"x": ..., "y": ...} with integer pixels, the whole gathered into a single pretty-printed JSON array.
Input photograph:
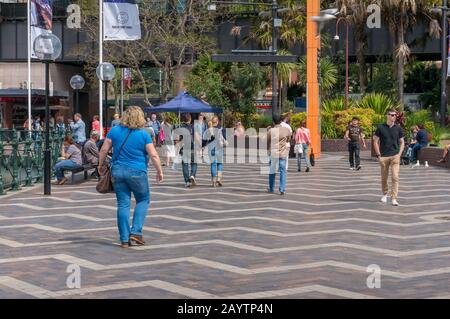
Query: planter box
[{"x": 340, "y": 145}]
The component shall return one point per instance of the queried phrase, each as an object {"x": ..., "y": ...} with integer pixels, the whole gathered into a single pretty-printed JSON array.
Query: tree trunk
[
  {"x": 401, "y": 66},
  {"x": 144, "y": 86},
  {"x": 360, "y": 54}
]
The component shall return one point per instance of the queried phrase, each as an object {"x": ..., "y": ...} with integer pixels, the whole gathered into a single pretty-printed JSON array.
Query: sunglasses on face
[{"x": 393, "y": 115}]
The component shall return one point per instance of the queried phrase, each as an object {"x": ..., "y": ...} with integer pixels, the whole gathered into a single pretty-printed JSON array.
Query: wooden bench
[
  {"x": 85, "y": 169},
  {"x": 432, "y": 155}
]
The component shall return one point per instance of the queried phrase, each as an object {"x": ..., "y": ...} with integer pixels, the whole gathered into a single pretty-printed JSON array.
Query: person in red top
[
  {"x": 302, "y": 142},
  {"x": 95, "y": 123}
]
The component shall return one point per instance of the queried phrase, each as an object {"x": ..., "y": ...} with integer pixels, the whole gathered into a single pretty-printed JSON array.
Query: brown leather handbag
[{"x": 105, "y": 184}]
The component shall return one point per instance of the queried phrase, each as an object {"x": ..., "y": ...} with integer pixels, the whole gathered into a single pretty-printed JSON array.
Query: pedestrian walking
[
  {"x": 95, "y": 123},
  {"x": 302, "y": 142},
  {"x": 215, "y": 145},
  {"x": 389, "y": 144},
  {"x": 278, "y": 138},
  {"x": 355, "y": 135},
  {"x": 187, "y": 151},
  {"x": 132, "y": 147},
  {"x": 167, "y": 142}
]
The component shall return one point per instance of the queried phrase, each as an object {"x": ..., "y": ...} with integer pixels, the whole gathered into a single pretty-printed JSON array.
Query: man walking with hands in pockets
[{"x": 389, "y": 143}]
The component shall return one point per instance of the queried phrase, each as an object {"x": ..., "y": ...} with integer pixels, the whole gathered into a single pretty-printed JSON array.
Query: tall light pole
[
  {"x": 275, "y": 23},
  {"x": 105, "y": 73},
  {"x": 47, "y": 48},
  {"x": 77, "y": 83},
  {"x": 336, "y": 38}
]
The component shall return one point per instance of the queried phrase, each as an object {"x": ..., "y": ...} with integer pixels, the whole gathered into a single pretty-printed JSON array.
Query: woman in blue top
[{"x": 132, "y": 146}]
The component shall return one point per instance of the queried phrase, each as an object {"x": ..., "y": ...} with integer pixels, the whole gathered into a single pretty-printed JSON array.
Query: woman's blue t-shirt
[{"x": 134, "y": 152}]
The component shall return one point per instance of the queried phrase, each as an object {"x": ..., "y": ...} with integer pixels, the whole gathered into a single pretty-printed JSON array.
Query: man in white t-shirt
[{"x": 285, "y": 120}]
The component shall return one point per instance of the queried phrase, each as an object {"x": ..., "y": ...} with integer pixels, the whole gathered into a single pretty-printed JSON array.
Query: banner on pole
[
  {"x": 121, "y": 20},
  {"x": 41, "y": 20}
]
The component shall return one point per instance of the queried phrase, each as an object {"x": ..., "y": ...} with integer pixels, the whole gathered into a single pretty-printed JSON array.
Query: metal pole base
[{"x": 47, "y": 172}]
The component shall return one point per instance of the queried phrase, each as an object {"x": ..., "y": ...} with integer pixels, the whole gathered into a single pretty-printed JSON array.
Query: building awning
[{"x": 23, "y": 93}]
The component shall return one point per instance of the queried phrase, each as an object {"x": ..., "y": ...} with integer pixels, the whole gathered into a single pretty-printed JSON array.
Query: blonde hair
[
  {"x": 133, "y": 118},
  {"x": 215, "y": 120},
  {"x": 210, "y": 124}
]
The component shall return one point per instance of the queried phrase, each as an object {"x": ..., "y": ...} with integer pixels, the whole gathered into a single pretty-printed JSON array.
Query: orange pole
[{"x": 312, "y": 86}]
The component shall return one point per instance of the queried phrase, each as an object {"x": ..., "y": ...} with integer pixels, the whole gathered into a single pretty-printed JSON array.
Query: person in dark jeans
[
  {"x": 354, "y": 135},
  {"x": 421, "y": 141},
  {"x": 187, "y": 151}
]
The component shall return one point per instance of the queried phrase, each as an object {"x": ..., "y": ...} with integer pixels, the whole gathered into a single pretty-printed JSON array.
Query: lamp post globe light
[
  {"x": 105, "y": 73},
  {"x": 47, "y": 48},
  {"x": 77, "y": 83}
]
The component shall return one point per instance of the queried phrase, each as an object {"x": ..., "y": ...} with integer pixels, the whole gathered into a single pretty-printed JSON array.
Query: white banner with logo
[
  {"x": 121, "y": 20},
  {"x": 41, "y": 20}
]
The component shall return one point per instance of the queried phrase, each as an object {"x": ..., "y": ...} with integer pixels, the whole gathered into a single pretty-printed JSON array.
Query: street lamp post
[
  {"x": 77, "y": 83},
  {"x": 105, "y": 73},
  {"x": 47, "y": 48},
  {"x": 346, "y": 56}
]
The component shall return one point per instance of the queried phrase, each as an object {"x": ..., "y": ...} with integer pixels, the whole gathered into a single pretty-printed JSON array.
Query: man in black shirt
[
  {"x": 354, "y": 135},
  {"x": 389, "y": 143}
]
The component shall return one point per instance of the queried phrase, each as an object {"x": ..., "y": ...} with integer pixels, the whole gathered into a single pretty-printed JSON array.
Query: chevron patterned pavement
[{"x": 237, "y": 241}]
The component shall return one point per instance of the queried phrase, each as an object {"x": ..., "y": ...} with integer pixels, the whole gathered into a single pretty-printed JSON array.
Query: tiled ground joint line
[
  {"x": 231, "y": 268},
  {"x": 42, "y": 293}
]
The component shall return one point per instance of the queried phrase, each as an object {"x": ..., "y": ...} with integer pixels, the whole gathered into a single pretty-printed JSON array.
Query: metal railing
[{"x": 22, "y": 156}]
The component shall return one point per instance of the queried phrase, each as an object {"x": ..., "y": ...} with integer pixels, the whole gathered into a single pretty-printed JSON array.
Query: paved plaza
[{"x": 237, "y": 241}]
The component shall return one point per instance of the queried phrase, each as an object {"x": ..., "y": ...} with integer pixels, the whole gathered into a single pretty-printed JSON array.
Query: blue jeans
[
  {"x": 60, "y": 167},
  {"x": 216, "y": 158},
  {"x": 216, "y": 168},
  {"x": 127, "y": 180},
  {"x": 186, "y": 174},
  {"x": 416, "y": 149},
  {"x": 304, "y": 156},
  {"x": 277, "y": 164}
]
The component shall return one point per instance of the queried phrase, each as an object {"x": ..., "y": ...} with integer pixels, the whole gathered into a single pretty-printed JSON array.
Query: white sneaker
[
  {"x": 416, "y": 165},
  {"x": 352, "y": 168},
  {"x": 384, "y": 199},
  {"x": 426, "y": 164},
  {"x": 187, "y": 185},
  {"x": 394, "y": 202}
]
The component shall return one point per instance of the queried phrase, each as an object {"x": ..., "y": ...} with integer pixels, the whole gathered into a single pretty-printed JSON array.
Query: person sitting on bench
[
  {"x": 73, "y": 160},
  {"x": 444, "y": 155},
  {"x": 90, "y": 151}
]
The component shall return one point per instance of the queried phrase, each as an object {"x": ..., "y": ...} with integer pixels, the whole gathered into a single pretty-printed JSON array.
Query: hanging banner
[
  {"x": 41, "y": 20},
  {"x": 127, "y": 78},
  {"x": 121, "y": 20}
]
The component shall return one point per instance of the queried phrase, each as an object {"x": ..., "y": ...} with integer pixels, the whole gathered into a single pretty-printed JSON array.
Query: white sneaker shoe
[
  {"x": 394, "y": 202},
  {"x": 384, "y": 199},
  {"x": 416, "y": 165},
  {"x": 426, "y": 164}
]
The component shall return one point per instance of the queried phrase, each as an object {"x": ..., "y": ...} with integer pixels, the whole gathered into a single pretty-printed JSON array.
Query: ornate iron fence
[{"x": 22, "y": 156}]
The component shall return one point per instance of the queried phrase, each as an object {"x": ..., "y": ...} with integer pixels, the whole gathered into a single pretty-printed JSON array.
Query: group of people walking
[{"x": 133, "y": 147}]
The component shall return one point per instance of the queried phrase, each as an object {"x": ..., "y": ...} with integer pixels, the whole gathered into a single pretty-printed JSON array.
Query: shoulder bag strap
[{"x": 121, "y": 147}]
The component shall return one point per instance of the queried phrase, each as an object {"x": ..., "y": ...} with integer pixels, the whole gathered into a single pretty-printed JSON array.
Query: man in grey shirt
[
  {"x": 90, "y": 149},
  {"x": 78, "y": 129},
  {"x": 90, "y": 152}
]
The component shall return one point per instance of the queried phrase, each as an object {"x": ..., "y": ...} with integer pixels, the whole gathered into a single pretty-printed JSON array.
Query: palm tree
[
  {"x": 355, "y": 12},
  {"x": 401, "y": 15}
]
